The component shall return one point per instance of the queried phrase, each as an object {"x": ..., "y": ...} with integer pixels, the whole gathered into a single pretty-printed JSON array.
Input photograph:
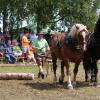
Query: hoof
[
  {"x": 70, "y": 87},
  {"x": 60, "y": 81},
  {"x": 96, "y": 84},
  {"x": 41, "y": 74},
  {"x": 74, "y": 84},
  {"x": 55, "y": 84},
  {"x": 87, "y": 80},
  {"x": 91, "y": 84}
]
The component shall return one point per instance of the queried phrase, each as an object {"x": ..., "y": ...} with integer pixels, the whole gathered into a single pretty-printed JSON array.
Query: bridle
[{"x": 84, "y": 43}]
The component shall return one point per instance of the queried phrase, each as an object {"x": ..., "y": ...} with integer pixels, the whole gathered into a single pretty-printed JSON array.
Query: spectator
[
  {"x": 48, "y": 35},
  {"x": 32, "y": 36},
  {"x": 9, "y": 55},
  {"x": 1, "y": 47},
  {"x": 16, "y": 49},
  {"x": 25, "y": 42}
]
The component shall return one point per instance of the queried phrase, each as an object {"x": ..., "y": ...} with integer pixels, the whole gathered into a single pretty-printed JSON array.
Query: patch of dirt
[{"x": 39, "y": 89}]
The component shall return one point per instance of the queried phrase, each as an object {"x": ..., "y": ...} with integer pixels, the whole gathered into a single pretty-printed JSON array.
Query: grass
[
  {"x": 18, "y": 69},
  {"x": 39, "y": 89},
  {"x": 31, "y": 68}
]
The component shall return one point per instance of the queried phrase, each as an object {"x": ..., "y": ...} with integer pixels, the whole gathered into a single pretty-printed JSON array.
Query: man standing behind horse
[{"x": 48, "y": 36}]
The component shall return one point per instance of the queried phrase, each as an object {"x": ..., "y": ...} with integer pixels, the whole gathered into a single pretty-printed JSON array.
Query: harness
[{"x": 80, "y": 46}]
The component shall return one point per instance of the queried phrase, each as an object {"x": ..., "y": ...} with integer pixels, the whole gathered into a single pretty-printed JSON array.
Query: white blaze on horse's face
[
  {"x": 84, "y": 34},
  {"x": 82, "y": 30}
]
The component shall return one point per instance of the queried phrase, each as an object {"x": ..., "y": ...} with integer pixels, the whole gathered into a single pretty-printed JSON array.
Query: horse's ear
[{"x": 76, "y": 26}]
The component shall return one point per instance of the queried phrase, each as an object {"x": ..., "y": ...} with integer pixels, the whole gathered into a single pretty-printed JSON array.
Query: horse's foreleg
[
  {"x": 87, "y": 66},
  {"x": 54, "y": 60},
  {"x": 61, "y": 78},
  {"x": 54, "y": 70},
  {"x": 95, "y": 72},
  {"x": 75, "y": 71},
  {"x": 87, "y": 75},
  {"x": 70, "y": 86}
]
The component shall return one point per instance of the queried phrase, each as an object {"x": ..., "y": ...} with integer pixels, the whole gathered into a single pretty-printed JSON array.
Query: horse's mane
[
  {"x": 97, "y": 27},
  {"x": 76, "y": 29}
]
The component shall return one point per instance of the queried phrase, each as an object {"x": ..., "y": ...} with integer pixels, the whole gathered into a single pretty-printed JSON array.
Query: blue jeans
[
  {"x": 24, "y": 50},
  {"x": 10, "y": 58}
]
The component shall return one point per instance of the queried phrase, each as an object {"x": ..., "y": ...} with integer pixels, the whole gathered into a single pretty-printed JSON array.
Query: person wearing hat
[{"x": 42, "y": 48}]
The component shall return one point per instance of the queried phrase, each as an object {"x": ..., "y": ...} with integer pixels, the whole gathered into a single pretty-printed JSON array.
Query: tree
[
  {"x": 48, "y": 12},
  {"x": 13, "y": 12}
]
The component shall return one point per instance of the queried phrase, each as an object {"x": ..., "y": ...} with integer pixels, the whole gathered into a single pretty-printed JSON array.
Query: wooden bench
[
  {"x": 20, "y": 58},
  {"x": 1, "y": 58}
]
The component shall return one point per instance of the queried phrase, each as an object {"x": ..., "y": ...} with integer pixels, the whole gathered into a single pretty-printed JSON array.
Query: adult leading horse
[
  {"x": 68, "y": 47},
  {"x": 92, "y": 55}
]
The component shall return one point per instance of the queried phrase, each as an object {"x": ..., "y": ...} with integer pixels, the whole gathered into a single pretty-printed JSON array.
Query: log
[{"x": 16, "y": 76}]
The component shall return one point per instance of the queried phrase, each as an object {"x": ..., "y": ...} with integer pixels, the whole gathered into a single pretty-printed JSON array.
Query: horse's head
[
  {"x": 79, "y": 33},
  {"x": 82, "y": 35}
]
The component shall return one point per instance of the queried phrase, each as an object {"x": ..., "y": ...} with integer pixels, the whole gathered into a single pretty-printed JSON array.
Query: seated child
[{"x": 16, "y": 49}]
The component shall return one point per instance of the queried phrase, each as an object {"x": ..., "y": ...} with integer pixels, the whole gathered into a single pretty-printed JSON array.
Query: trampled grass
[{"x": 43, "y": 89}]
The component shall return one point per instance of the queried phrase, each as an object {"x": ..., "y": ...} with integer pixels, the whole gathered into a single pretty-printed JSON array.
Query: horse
[
  {"x": 68, "y": 48},
  {"x": 92, "y": 55}
]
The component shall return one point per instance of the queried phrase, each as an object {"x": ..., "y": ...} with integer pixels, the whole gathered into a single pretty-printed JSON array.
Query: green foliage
[{"x": 48, "y": 12}]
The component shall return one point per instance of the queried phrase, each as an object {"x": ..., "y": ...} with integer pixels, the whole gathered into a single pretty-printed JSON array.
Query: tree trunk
[{"x": 38, "y": 18}]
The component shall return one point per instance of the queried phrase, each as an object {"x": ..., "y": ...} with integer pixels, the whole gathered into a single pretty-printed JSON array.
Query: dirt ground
[{"x": 39, "y": 89}]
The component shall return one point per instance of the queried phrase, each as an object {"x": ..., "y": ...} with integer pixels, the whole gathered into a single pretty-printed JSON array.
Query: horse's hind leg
[
  {"x": 75, "y": 71},
  {"x": 61, "y": 78}
]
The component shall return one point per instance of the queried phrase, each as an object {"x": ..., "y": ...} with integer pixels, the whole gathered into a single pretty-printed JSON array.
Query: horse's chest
[{"x": 72, "y": 55}]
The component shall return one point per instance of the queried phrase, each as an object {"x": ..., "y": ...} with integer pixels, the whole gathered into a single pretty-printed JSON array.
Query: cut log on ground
[{"x": 16, "y": 76}]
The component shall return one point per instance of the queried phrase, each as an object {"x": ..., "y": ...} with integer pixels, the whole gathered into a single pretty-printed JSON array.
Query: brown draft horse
[{"x": 69, "y": 48}]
